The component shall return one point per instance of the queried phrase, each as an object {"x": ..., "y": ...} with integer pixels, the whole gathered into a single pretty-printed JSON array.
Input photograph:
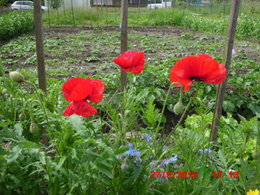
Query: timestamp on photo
[
  {"x": 175, "y": 174},
  {"x": 231, "y": 174}
]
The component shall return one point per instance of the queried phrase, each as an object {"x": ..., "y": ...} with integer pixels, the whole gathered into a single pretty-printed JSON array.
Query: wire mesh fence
[{"x": 141, "y": 12}]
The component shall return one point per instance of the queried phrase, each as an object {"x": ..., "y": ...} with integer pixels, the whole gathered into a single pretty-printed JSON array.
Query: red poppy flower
[
  {"x": 79, "y": 91},
  {"x": 131, "y": 61},
  {"x": 201, "y": 67}
]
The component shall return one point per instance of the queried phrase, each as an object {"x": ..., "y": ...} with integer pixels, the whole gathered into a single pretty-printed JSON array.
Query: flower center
[{"x": 195, "y": 78}]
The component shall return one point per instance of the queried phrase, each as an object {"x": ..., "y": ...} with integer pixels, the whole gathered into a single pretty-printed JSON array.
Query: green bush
[{"x": 15, "y": 23}]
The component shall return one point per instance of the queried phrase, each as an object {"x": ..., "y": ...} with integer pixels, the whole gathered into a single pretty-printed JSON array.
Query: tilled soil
[{"x": 96, "y": 50}]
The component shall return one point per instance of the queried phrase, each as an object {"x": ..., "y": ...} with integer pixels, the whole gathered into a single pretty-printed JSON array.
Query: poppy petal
[
  {"x": 201, "y": 67},
  {"x": 128, "y": 69},
  {"x": 82, "y": 108},
  {"x": 77, "y": 89},
  {"x": 175, "y": 78},
  {"x": 212, "y": 72},
  {"x": 182, "y": 71},
  {"x": 187, "y": 86},
  {"x": 138, "y": 63},
  {"x": 97, "y": 92},
  {"x": 124, "y": 60},
  {"x": 218, "y": 76},
  {"x": 138, "y": 69},
  {"x": 131, "y": 61},
  {"x": 138, "y": 58},
  {"x": 205, "y": 63}
]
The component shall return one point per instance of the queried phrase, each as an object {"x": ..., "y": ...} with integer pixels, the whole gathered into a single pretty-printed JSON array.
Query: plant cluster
[
  {"x": 14, "y": 24},
  {"x": 116, "y": 150}
]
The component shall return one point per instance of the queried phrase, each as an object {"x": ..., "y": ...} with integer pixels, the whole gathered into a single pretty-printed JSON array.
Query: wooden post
[
  {"x": 39, "y": 44},
  {"x": 49, "y": 18},
  {"x": 72, "y": 12},
  {"x": 40, "y": 56},
  {"x": 227, "y": 61},
  {"x": 64, "y": 12},
  {"x": 124, "y": 18}
]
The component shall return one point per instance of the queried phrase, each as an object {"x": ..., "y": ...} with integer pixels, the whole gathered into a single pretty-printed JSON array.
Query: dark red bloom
[
  {"x": 79, "y": 91},
  {"x": 131, "y": 61},
  {"x": 201, "y": 67}
]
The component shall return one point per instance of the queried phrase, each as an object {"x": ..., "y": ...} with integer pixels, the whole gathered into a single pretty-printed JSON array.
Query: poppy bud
[
  {"x": 178, "y": 108},
  {"x": 3, "y": 91},
  {"x": 209, "y": 125},
  {"x": 34, "y": 129},
  {"x": 127, "y": 112},
  {"x": 16, "y": 76},
  {"x": 256, "y": 155},
  {"x": 22, "y": 116}
]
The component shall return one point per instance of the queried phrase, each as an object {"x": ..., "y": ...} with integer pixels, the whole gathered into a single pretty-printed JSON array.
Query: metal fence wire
[{"x": 141, "y": 12}]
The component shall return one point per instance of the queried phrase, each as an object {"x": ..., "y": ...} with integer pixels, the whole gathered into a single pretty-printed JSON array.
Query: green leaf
[
  {"x": 61, "y": 162},
  {"x": 18, "y": 129},
  {"x": 255, "y": 109},
  {"x": 14, "y": 155},
  {"x": 6, "y": 124},
  {"x": 77, "y": 123}
]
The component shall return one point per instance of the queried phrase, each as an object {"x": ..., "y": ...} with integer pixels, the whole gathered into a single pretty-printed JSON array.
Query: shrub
[{"x": 15, "y": 23}]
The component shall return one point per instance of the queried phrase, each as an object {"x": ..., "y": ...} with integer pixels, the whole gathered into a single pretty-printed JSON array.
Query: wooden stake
[
  {"x": 124, "y": 15},
  {"x": 72, "y": 11},
  {"x": 40, "y": 55},
  {"x": 49, "y": 19},
  {"x": 227, "y": 61},
  {"x": 39, "y": 44}
]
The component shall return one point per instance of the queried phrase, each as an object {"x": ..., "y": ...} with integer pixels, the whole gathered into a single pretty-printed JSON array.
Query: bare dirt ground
[
  {"x": 159, "y": 43},
  {"x": 164, "y": 31},
  {"x": 72, "y": 51}
]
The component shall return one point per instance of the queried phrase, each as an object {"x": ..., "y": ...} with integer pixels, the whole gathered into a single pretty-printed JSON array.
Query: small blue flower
[
  {"x": 171, "y": 160},
  {"x": 165, "y": 148},
  {"x": 205, "y": 151},
  {"x": 131, "y": 151},
  {"x": 148, "y": 137},
  {"x": 130, "y": 145}
]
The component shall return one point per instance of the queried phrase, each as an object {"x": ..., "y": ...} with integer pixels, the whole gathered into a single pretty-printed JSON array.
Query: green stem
[
  {"x": 156, "y": 142},
  {"x": 184, "y": 113},
  {"x": 30, "y": 111},
  {"x": 163, "y": 109},
  {"x": 181, "y": 94},
  {"x": 40, "y": 100},
  {"x": 121, "y": 138}
]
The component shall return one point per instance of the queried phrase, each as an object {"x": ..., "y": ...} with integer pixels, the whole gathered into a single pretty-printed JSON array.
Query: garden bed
[{"x": 93, "y": 154}]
